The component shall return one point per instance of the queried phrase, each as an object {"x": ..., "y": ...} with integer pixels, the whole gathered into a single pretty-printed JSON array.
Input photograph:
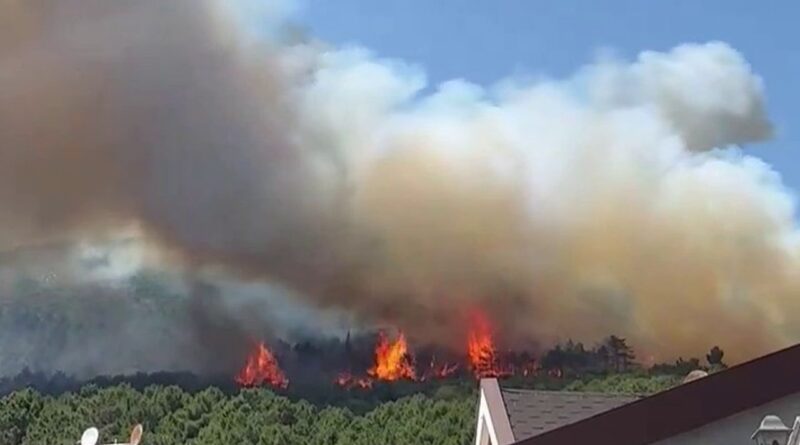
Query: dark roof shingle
[
  {"x": 687, "y": 406},
  {"x": 533, "y": 412}
]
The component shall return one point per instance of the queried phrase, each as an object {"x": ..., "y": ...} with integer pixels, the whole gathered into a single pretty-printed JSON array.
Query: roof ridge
[
  {"x": 725, "y": 393},
  {"x": 568, "y": 391}
]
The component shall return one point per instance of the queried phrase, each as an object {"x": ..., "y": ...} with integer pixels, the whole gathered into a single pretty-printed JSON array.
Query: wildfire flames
[
  {"x": 439, "y": 371},
  {"x": 481, "y": 350},
  {"x": 349, "y": 381},
  {"x": 393, "y": 361},
  {"x": 262, "y": 368}
]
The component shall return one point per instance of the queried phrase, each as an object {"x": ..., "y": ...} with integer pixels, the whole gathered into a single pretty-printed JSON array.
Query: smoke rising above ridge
[{"x": 617, "y": 200}]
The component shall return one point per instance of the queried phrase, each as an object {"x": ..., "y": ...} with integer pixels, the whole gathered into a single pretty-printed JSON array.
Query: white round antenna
[
  {"x": 136, "y": 435},
  {"x": 90, "y": 436},
  {"x": 695, "y": 375}
]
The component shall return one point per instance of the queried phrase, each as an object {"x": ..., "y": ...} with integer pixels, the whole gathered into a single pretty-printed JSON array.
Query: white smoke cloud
[
  {"x": 613, "y": 201},
  {"x": 259, "y": 19},
  {"x": 707, "y": 93},
  {"x": 598, "y": 185}
]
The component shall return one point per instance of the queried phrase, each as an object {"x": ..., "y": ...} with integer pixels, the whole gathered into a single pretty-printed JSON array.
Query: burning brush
[
  {"x": 262, "y": 368},
  {"x": 392, "y": 360}
]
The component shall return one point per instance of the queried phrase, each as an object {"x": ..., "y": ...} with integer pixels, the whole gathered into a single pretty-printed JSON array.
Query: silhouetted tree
[
  {"x": 714, "y": 359},
  {"x": 554, "y": 359},
  {"x": 681, "y": 367},
  {"x": 603, "y": 357},
  {"x": 620, "y": 353}
]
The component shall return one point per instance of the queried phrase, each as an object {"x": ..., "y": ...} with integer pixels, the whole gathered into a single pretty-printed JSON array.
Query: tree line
[
  {"x": 171, "y": 415},
  {"x": 254, "y": 416},
  {"x": 614, "y": 356}
]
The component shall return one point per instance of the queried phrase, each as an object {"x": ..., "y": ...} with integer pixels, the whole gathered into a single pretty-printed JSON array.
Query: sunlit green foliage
[
  {"x": 254, "y": 416},
  {"x": 172, "y": 416}
]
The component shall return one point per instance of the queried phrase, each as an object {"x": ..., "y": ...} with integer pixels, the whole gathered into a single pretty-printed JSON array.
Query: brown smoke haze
[{"x": 614, "y": 201}]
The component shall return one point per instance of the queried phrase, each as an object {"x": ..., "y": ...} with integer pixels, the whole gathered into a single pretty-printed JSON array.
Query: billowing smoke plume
[{"x": 615, "y": 201}]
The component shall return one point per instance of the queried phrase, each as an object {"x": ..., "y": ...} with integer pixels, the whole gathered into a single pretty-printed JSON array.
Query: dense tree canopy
[
  {"x": 254, "y": 416},
  {"x": 180, "y": 408},
  {"x": 171, "y": 415}
]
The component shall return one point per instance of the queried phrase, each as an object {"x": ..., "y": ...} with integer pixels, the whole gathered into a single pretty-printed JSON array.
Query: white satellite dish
[
  {"x": 136, "y": 435},
  {"x": 90, "y": 436}
]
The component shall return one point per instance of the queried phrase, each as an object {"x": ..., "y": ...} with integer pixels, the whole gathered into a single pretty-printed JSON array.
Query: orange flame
[
  {"x": 481, "y": 350},
  {"x": 446, "y": 370},
  {"x": 439, "y": 371},
  {"x": 392, "y": 359},
  {"x": 347, "y": 380},
  {"x": 262, "y": 368}
]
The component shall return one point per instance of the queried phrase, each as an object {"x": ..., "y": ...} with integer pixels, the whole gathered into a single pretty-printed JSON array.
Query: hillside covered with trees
[
  {"x": 254, "y": 416},
  {"x": 172, "y": 415},
  {"x": 43, "y": 407},
  {"x": 186, "y": 409}
]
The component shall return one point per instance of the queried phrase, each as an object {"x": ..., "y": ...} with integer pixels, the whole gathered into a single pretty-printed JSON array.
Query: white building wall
[
  {"x": 485, "y": 433},
  {"x": 493, "y": 427},
  {"x": 737, "y": 429}
]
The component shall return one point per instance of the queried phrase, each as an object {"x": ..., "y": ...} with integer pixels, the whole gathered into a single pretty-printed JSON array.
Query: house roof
[
  {"x": 533, "y": 412},
  {"x": 687, "y": 406}
]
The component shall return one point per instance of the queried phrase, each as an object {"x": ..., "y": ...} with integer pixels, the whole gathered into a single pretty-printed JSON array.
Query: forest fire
[
  {"x": 439, "y": 370},
  {"x": 393, "y": 362},
  {"x": 481, "y": 350},
  {"x": 349, "y": 381},
  {"x": 262, "y": 368},
  {"x": 392, "y": 359}
]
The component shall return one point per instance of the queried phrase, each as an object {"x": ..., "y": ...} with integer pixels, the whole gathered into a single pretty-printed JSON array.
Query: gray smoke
[{"x": 613, "y": 201}]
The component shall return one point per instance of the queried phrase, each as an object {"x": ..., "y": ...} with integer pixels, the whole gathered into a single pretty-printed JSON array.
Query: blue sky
[{"x": 484, "y": 41}]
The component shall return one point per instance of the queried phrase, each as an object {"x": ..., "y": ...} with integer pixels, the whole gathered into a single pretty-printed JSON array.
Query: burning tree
[
  {"x": 481, "y": 349},
  {"x": 262, "y": 368},
  {"x": 392, "y": 359}
]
